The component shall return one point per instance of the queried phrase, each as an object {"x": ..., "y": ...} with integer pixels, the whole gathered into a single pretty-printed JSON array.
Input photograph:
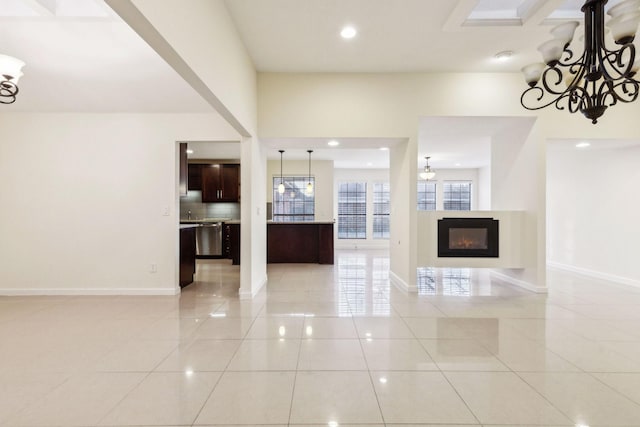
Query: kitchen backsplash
[{"x": 193, "y": 202}]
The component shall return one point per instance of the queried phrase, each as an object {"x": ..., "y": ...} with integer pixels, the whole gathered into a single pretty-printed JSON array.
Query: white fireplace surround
[{"x": 512, "y": 240}]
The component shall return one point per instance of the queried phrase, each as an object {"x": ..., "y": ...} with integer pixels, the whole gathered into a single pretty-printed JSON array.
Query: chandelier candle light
[
  {"x": 10, "y": 73},
  {"x": 427, "y": 173},
  {"x": 600, "y": 77}
]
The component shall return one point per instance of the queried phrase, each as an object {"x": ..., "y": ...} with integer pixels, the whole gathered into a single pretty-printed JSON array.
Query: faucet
[{"x": 189, "y": 215}]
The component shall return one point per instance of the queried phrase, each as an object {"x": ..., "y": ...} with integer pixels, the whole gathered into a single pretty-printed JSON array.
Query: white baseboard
[
  {"x": 594, "y": 274},
  {"x": 251, "y": 294},
  {"x": 401, "y": 284},
  {"x": 518, "y": 282},
  {"x": 90, "y": 292}
]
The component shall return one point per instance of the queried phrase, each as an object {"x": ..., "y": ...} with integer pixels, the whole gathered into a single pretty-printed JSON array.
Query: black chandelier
[
  {"x": 600, "y": 77},
  {"x": 9, "y": 74}
]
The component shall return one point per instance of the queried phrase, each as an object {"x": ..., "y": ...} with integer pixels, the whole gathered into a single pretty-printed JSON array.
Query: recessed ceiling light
[
  {"x": 583, "y": 144},
  {"x": 369, "y": 164},
  {"x": 504, "y": 55},
  {"x": 458, "y": 164},
  {"x": 348, "y": 32},
  {"x": 333, "y": 143},
  {"x": 189, "y": 151},
  {"x": 384, "y": 148}
]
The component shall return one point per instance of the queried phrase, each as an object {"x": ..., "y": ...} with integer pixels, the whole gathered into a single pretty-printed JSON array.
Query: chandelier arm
[
  {"x": 576, "y": 101},
  {"x": 613, "y": 64},
  {"x": 628, "y": 90},
  {"x": 8, "y": 92},
  {"x": 531, "y": 90},
  {"x": 549, "y": 84},
  {"x": 565, "y": 61},
  {"x": 607, "y": 90}
]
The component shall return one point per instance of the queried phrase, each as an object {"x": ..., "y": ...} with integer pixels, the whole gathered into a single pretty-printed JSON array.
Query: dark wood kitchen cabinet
[
  {"x": 292, "y": 242},
  {"x": 232, "y": 242},
  {"x": 220, "y": 183},
  {"x": 183, "y": 169},
  {"x": 187, "y": 255},
  {"x": 195, "y": 177}
]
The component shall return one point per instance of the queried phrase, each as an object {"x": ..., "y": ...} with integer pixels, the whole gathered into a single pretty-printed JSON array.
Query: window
[
  {"x": 426, "y": 195},
  {"x": 352, "y": 210},
  {"x": 294, "y": 204},
  {"x": 457, "y": 195},
  {"x": 381, "y": 210}
]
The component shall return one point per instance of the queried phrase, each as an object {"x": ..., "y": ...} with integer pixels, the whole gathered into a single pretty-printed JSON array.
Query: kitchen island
[{"x": 300, "y": 242}]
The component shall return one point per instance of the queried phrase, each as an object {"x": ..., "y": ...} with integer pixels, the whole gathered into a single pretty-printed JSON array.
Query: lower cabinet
[
  {"x": 187, "y": 255},
  {"x": 232, "y": 242},
  {"x": 300, "y": 242}
]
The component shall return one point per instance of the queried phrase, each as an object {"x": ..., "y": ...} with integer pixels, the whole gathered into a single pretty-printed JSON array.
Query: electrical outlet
[
  {"x": 165, "y": 211},
  {"x": 153, "y": 268}
]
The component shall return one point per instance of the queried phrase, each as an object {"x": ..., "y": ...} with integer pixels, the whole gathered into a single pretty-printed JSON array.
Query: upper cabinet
[
  {"x": 220, "y": 183},
  {"x": 183, "y": 168},
  {"x": 195, "y": 176}
]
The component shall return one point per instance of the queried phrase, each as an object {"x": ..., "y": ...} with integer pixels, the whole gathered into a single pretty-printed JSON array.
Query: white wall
[
  {"x": 517, "y": 183},
  {"x": 370, "y": 176},
  {"x": 484, "y": 188},
  {"x": 202, "y": 44},
  {"x": 84, "y": 196},
  {"x": 323, "y": 173},
  {"x": 253, "y": 232},
  {"x": 592, "y": 211},
  {"x": 391, "y": 105}
]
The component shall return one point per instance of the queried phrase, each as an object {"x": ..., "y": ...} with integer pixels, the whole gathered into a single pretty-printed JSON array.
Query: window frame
[
  {"x": 381, "y": 210},
  {"x": 425, "y": 206},
  {"x": 457, "y": 204},
  {"x": 297, "y": 185},
  {"x": 355, "y": 212}
]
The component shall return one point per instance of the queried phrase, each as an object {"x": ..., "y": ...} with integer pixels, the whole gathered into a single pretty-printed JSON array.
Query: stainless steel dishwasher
[{"x": 209, "y": 239}]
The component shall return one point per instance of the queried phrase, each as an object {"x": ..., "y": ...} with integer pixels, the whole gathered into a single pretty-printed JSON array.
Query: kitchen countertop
[
  {"x": 203, "y": 220},
  {"x": 183, "y": 226},
  {"x": 300, "y": 222}
]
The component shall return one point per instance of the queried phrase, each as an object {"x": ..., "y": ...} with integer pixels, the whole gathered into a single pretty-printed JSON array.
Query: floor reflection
[
  {"x": 363, "y": 283},
  {"x": 463, "y": 282}
]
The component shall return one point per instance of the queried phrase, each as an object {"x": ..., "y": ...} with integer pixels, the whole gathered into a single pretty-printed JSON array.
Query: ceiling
[
  {"x": 397, "y": 35},
  {"x": 81, "y": 56},
  {"x": 352, "y": 153}
]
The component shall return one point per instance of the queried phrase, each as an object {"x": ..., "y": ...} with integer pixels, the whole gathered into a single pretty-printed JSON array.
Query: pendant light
[
  {"x": 427, "y": 174},
  {"x": 281, "y": 185},
  {"x": 309, "y": 184}
]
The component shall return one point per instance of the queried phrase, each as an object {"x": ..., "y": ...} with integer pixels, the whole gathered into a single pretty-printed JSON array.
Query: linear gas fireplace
[{"x": 468, "y": 237}]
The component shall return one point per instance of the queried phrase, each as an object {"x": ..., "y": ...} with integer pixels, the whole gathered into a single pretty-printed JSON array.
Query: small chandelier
[
  {"x": 10, "y": 73},
  {"x": 281, "y": 185},
  {"x": 309, "y": 190},
  {"x": 600, "y": 77},
  {"x": 427, "y": 173}
]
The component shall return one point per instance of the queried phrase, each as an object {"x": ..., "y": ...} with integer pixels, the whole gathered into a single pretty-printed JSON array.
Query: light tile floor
[{"x": 327, "y": 346}]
